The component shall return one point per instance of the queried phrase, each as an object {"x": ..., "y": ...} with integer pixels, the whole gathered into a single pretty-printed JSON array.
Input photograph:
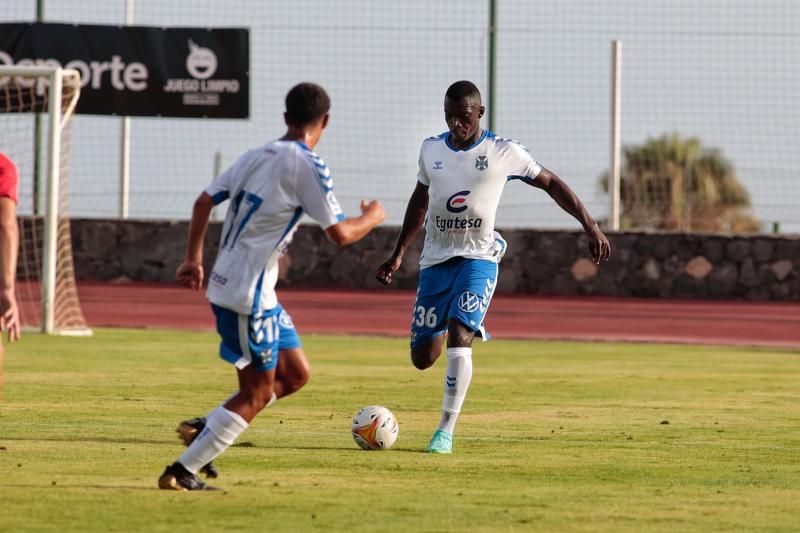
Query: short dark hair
[
  {"x": 463, "y": 89},
  {"x": 306, "y": 103}
]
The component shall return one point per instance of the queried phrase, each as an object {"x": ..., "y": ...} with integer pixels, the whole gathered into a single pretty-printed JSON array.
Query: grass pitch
[{"x": 554, "y": 437}]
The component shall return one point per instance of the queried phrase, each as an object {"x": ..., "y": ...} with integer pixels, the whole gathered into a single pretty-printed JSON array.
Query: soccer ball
[{"x": 374, "y": 428}]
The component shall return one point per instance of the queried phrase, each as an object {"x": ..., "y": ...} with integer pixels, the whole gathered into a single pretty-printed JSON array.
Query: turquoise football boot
[{"x": 441, "y": 442}]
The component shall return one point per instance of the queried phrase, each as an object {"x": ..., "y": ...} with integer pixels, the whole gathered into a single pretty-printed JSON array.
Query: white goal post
[{"x": 41, "y": 89}]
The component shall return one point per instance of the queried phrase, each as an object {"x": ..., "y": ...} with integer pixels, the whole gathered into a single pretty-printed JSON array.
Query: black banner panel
[{"x": 141, "y": 70}]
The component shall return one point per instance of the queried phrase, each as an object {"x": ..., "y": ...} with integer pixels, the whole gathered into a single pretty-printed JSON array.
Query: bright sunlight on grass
[{"x": 554, "y": 436}]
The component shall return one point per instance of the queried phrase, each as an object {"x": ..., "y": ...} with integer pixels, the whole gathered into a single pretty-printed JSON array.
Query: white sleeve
[
  {"x": 314, "y": 189},
  {"x": 521, "y": 163},
  {"x": 220, "y": 188},
  {"x": 422, "y": 175}
]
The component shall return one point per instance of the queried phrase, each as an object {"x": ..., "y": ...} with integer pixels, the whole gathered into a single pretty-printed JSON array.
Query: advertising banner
[{"x": 141, "y": 70}]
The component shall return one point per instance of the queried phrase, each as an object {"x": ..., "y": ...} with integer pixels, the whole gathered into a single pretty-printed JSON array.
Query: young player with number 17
[{"x": 270, "y": 188}]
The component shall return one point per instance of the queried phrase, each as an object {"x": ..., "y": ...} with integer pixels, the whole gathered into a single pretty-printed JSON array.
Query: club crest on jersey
[
  {"x": 468, "y": 302},
  {"x": 482, "y": 163},
  {"x": 458, "y": 202}
]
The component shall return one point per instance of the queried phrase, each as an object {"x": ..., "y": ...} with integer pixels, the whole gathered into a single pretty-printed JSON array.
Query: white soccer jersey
[
  {"x": 465, "y": 186},
  {"x": 270, "y": 188}
]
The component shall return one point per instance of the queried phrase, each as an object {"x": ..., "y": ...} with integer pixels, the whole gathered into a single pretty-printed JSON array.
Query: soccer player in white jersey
[
  {"x": 270, "y": 188},
  {"x": 462, "y": 174}
]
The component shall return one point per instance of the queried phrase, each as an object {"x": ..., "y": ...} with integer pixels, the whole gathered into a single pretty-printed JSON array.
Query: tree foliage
[{"x": 670, "y": 183}]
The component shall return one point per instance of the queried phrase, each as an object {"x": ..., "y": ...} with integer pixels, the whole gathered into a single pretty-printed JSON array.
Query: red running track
[{"x": 388, "y": 312}]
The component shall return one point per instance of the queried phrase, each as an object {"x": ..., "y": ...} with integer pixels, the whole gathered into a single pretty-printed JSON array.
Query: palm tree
[{"x": 671, "y": 183}]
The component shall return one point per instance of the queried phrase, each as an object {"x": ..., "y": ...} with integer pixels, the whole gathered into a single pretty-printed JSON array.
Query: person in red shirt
[{"x": 9, "y": 247}]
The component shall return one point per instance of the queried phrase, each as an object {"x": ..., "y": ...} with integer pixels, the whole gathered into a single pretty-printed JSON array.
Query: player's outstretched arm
[
  {"x": 599, "y": 247},
  {"x": 190, "y": 272},
  {"x": 354, "y": 229},
  {"x": 412, "y": 223}
]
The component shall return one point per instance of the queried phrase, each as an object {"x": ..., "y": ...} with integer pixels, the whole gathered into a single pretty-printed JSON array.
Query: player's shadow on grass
[
  {"x": 246, "y": 444},
  {"x": 301, "y": 447},
  {"x": 72, "y": 486},
  {"x": 353, "y": 448},
  {"x": 94, "y": 439}
]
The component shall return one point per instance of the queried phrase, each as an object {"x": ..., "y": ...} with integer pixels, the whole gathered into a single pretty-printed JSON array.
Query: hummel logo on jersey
[
  {"x": 458, "y": 202},
  {"x": 482, "y": 163},
  {"x": 468, "y": 301},
  {"x": 437, "y": 165}
]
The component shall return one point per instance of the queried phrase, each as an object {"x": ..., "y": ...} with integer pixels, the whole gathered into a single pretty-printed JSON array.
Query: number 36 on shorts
[{"x": 425, "y": 317}]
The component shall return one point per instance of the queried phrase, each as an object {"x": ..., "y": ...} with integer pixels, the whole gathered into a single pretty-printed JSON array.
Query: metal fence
[{"x": 723, "y": 71}]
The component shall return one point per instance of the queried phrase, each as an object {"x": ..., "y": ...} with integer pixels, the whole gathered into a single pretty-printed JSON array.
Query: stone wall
[{"x": 537, "y": 262}]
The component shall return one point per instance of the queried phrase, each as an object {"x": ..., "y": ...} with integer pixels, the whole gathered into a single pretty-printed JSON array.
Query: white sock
[
  {"x": 222, "y": 429},
  {"x": 456, "y": 383},
  {"x": 272, "y": 400}
]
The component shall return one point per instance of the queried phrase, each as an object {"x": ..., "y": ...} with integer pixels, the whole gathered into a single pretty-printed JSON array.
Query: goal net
[{"x": 36, "y": 110}]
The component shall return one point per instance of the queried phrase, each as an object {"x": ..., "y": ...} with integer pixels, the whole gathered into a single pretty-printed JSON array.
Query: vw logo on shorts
[
  {"x": 458, "y": 202},
  {"x": 285, "y": 320},
  {"x": 468, "y": 302}
]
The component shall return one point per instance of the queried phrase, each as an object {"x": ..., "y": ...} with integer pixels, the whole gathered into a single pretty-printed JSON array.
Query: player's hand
[
  {"x": 9, "y": 314},
  {"x": 599, "y": 247},
  {"x": 384, "y": 274},
  {"x": 373, "y": 210},
  {"x": 190, "y": 275}
]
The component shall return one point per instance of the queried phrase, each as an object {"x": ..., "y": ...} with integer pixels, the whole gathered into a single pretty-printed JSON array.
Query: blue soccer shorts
[
  {"x": 256, "y": 338},
  {"x": 460, "y": 289}
]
